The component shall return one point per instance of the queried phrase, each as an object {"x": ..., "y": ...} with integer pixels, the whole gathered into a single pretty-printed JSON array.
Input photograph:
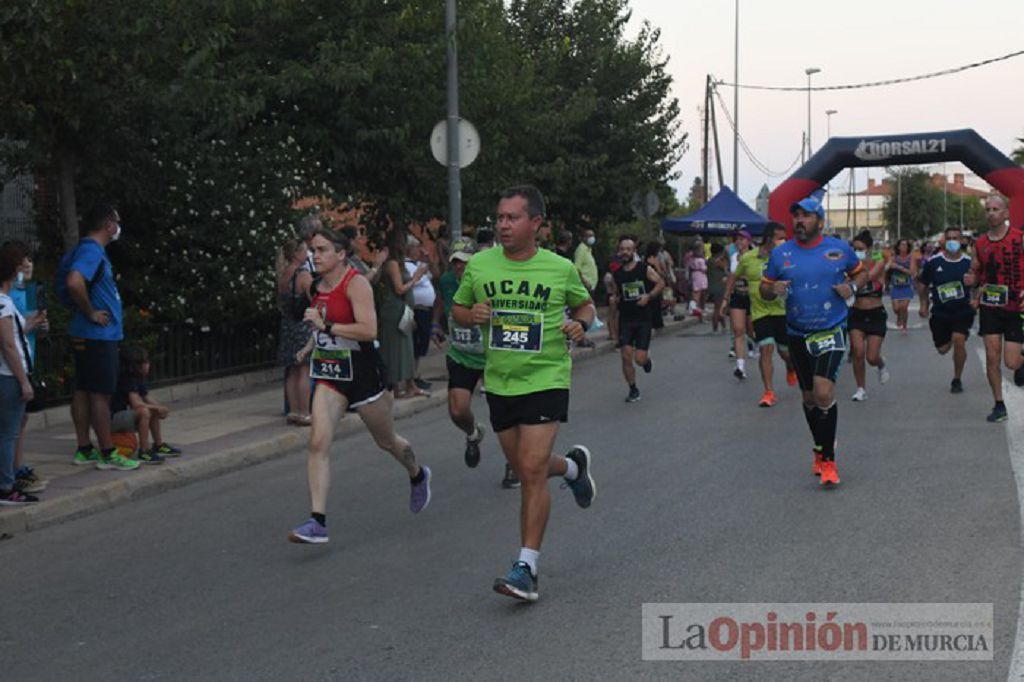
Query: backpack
[{"x": 60, "y": 284}]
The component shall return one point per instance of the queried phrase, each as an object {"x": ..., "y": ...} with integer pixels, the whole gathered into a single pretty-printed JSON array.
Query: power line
[
  {"x": 875, "y": 84},
  {"x": 746, "y": 149}
]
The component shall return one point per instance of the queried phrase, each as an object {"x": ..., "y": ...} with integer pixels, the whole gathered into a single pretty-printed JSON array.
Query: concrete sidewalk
[{"x": 221, "y": 425}]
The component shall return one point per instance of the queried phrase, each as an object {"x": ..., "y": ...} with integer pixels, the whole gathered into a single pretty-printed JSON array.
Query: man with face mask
[
  {"x": 817, "y": 274},
  {"x": 635, "y": 284},
  {"x": 95, "y": 332},
  {"x": 951, "y": 314},
  {"x": 584, "y": 260}
]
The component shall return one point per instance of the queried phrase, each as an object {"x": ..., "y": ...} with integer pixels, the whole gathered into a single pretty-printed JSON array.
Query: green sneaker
[
  {"x": 167, "y": 450},
  {"x": 83, "y": 458},
  {"x": 117, "y": 461}
]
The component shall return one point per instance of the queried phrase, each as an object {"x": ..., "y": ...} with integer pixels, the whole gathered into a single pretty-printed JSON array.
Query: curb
[{"x": 155, "y": 480}]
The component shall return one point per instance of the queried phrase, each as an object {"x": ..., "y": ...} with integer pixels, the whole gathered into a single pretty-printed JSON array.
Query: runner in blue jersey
[
  {"x": 816, "y": 274},
  {"x": 952, "y": 313}
]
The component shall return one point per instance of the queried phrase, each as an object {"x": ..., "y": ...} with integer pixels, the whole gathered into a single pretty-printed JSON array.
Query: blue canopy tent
[{"x": 722, "y": 216}]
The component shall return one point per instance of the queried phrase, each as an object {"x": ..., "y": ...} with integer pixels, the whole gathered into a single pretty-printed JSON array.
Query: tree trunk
[{"x": 66, "y": 194}]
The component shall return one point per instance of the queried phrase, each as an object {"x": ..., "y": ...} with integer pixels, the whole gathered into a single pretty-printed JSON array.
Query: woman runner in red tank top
[{"x": 348, "y": 374}]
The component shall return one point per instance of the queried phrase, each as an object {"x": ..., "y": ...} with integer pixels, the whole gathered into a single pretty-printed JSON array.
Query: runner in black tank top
[
  {"x": 867, "y": 318},
  {"x": 637, "y": 285}
]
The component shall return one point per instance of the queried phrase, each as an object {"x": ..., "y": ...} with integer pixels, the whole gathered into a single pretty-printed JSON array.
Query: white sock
[
  {"x": 531, "y": 557},
  {"x": 572, "y": 471},
  {"x": 741, "y": 364}
]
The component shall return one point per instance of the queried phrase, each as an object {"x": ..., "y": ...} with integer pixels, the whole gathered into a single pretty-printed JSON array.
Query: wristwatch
[
  {"x": 584, "y": 324},
  {"x": 853, "y": 287}
]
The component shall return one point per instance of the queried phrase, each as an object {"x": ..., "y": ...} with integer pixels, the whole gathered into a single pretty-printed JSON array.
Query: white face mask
[
  {"x": 20, "y": 281},
  {"x": 952, "y": 245},
  {"x": 117, "y": 234},
  {"x": 861, "y": 255},
  {"x": 590, "y": 241}
]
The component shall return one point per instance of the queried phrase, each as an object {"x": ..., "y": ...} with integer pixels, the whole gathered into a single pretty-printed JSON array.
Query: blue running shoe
[
  {"x": 998, "y": 415},
  {"x": 419, "y": 498},
  {"x": 518, "y": 583},
  {"x": 583, "y": 488},
  {"x": 310, "y": 532}
]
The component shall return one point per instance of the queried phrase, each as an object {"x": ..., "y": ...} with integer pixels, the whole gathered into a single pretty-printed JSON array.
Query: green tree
[
  {"x": 916, "y": 205},
  {"x": 1018, "y": 153}
]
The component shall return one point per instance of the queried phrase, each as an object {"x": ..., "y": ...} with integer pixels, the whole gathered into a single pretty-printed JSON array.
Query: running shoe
[
  {"x": 634, "y": 395},
  {"x": 791, "y": 377},
  {"x": 859, "y": 395},
  {"x": 956, "y": 386},
  {"x": 167, "y": 450},
  {"x": 419, "y": 497},
  {"x": 829, "y": 475},
  {"x": 310, "y": 532},
  {"x": 997, "y": 415},
  {"x": 816, "y": 469},
  {"x": 511, "y": 480},
  {"x": 16, "y": 498},
  {"x": 883, "y": 372},
  {"x": 150, "y": 457},
  {"x": 422, "y": 385},
  {"x": 648, "y": 366},
  {"x": 518, "y": 583},
  {"x": 767, "y": 400},
  {"x": 472, "y": 455},
  {"x": 117, "y": 461},
  {"x": 583, "y": 488},
  {"x": 82, "y": 458},
  {"x": 28, "y": 481},
  {"x": 732, "y": 354},
  {"x": 740, "y": 374},
  {"x": 1018, "y": 376}
]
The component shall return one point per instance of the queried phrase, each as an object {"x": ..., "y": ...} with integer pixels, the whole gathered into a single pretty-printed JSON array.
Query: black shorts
[
  {"x": 1002, "y": 322},
  {"x": 771, "y": 330},
  {"x": 635, "y": 332},
  {"x": 542, "y": 407},
  {"x": 367, "y": 384},
  {"x": 944, "y": 327},
  {"x": 460, "y": 376},
  {"x": 871, "y": 322},
  {"x": 739, "y": 301},
  {"x": 808, "y": 366},
  {"x": 96, "y": 365}
]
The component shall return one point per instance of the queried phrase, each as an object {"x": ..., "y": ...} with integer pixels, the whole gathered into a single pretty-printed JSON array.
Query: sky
[{"x": 856, "y": 42}]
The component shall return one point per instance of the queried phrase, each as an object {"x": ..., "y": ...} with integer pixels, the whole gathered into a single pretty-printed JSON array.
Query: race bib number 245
[{"x": 517, "y": 331}]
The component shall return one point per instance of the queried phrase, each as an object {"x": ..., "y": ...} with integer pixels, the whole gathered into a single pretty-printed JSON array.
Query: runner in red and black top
[
  {"x": 998, "y": 272},
  {"x": 349, "y": 375}
]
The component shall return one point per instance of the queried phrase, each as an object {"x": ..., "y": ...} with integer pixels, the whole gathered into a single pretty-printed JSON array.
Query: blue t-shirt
[
  {"x": 25, "y": 302},
  {"x": 103, "y": 295},
  {"x": 945, "y": 279},
  {"x": 812, "y": 304}
]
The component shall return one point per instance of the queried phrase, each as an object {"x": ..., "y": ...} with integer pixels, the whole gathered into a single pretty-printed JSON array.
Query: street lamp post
[
  {"x": 810, "y": 71},
  {"x": 736, "y": 105},
  {"x": 828, "y": 187}
]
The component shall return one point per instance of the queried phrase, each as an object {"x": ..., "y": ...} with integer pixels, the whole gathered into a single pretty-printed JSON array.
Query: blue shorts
[
  {"x": 96, "y": 365},
  {"x": 902, "y": 293}
]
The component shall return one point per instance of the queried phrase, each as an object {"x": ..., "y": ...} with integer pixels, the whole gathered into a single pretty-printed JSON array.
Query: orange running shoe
[
  {"x": 791, "y": 377},
  {"x": 829, "y": 475},
  {"x": 816, "y": 469},
  {"x": 767, "y": 400}
]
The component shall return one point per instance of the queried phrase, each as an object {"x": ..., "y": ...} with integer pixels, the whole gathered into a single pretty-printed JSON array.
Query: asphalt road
[{"x": 702, "y": 497}]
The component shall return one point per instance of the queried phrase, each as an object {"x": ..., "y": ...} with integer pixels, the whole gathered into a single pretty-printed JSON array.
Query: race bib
[
  {"x": 741, "y": 285},
  {"x": 900, "y": 279},
  {"x": 466, "y": 339},
  {"x": 950, "y": 291},
  {"x": 632, "y": 291},
  {"x": 995, "y": 294},
  {"x": 334, "y": 364},
  {"x": 826, "y": 342},
  {"x": 517, "y": 331}
]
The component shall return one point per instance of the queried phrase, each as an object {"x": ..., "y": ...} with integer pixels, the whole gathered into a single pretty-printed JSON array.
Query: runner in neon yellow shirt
[{"x": 518, "y": 295}]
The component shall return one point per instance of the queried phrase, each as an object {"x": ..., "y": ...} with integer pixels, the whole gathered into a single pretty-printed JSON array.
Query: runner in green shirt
[
  {"x": 769, "y": 317},
  {"x": 518, "y": 295}
]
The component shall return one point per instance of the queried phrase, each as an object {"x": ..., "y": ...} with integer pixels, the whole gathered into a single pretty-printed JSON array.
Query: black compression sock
[
  {"x": 812, "y": 422},
  {"x": 108, "y": 453},
  {"x": 85, "y": 449},
  {"x": 1000, "y": 403},
  {"x": 320, "y": 518},
  {"x": 418, "y": 478},
  {"x": 828, "y": 421}
]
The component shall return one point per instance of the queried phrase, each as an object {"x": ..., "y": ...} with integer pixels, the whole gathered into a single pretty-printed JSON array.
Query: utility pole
[
  {"x": 454, "y": 179},
  {"x": 810, "y": 71},
  {"x": 705, "y": 166},
  {"x": 736, "y": 105}
]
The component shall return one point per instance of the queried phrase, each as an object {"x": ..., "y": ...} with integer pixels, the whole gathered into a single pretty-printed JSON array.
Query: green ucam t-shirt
[
  {"x": 524, "y": 345},
  {"x": 465, "y": 344},
  {"x": 751, "y": 267}
]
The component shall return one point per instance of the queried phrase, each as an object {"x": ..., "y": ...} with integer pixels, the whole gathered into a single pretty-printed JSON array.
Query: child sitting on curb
[{"x": 132, "y": 409}]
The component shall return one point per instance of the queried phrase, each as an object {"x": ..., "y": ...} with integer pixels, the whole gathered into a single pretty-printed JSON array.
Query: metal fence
[{"x": 178, "y": 352}]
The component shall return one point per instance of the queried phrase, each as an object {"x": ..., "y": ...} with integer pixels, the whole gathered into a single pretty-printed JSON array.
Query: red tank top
[
  {"x": 334, "y": 305},
  {"x": 1002, "y": 263}
]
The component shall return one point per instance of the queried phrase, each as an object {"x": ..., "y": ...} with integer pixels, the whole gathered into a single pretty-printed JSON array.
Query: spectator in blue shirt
[{"x": 95, "y": 332}]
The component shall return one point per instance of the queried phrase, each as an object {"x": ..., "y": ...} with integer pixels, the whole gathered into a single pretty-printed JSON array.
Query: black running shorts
[
  {"x": 96, "y": 365},
  {"x": 543, "y": 407},
  {"x": 739, "y": 301},
  {"x": 871, "y": 322},
  {"x": 460, "y": 376},
  {"x": 1001, "y": 322},
  {"x": 808, "y": 366},
  {"x": 635, "y": 332},
  {"x": 771, "y": 329},
  {"x": 367, "y": 384},
  {"x": 944, "y": 327}
]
